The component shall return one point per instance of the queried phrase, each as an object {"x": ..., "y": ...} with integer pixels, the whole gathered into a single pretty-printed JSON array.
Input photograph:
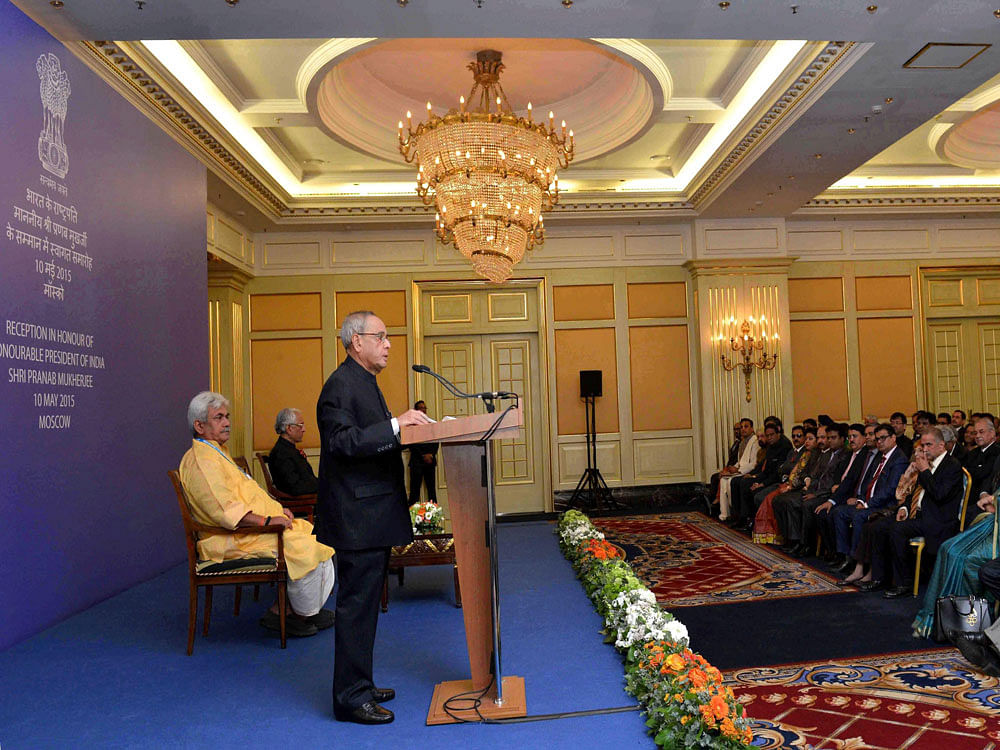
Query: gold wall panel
[
  {"x": 451, "y": 308},
  {"x": 585, "y": 349},
  {"x": 815, "y": 295},
  {"x": 989, "y": 351},
  {"x": 585, "y": 302},
  {"x": 657, "y": 300},
  {"x": 454, "y": 362},
  {"x": 364, "y": 254},
  {"x": 741, "y": 240},
  {"x": 883, "y": 293},
  {"x": 285, "y": 312},
  {"x": 886, "y": 365},
  {"x": 214, "y": 346},
  {"x": 291, "y": 254},
  {"x": 654, "y": 246},
  {"x": 660, "y": 378},
  {"x": 394, "y": 380},
  {"x": 882, "y": 240},
  {"x": 944, "y": 292},
  {"x": 819, "y": 368},
  {"x": 988, "y": 291},
  {"x": 946, "y": 366},
  {"x": 511, "y": 364},
  {"x": 285, "y": 373},
  {"x": 507, "y": 306},
  {"x": 954, "y": 238},
  {"x": 663, "y": 457},
  {"x": 814, "y": 241},
  {"x": 390, "y": 306},
  {"x": 573, "y": 461}
]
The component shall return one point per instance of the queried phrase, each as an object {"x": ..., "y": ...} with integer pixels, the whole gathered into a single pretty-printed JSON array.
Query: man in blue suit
[{"x": 878, "y": 490}]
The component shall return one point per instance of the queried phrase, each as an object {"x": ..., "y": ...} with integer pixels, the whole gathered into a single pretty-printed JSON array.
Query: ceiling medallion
[{"x": 489, "y": 172}]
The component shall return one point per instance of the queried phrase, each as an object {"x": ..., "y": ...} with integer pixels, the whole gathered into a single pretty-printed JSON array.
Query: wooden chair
[
  {"x": 300, "y": 505},
  {"x": 242, "y": 463},
  {"x": 918, "y": 542},
  {"x": 207, "y": 574}
]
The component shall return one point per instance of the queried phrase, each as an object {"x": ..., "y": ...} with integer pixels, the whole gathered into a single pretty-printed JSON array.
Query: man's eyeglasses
[
  {"x": 880, "y": 438},
  {"x": 380, "y": 335},
  {"x": 300, "y": 425}
]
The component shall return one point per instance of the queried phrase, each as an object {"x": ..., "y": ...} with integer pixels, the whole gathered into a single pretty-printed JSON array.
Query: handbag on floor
[{"x": 960, "y": 614}]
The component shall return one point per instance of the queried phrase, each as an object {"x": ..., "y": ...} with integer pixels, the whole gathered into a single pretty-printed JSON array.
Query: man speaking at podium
[{"x": 361, "y": 508}]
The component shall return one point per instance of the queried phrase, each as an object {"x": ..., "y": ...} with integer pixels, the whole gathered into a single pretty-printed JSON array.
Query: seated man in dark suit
[
  {"x": 768, "y": 472},
  {"x": 940, "y": 478},
  {"x": 290, "y": 471},
  {"x": 981, "y": 462},
  {"x": 903, "y": 443},
  {"x": 878, "y": 490},
  {"x": 952, "y": 443},
  {"x": 861, "y": 441}
]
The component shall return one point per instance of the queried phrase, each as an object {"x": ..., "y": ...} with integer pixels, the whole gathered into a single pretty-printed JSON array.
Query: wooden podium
[{"x": 473, "y": 524}]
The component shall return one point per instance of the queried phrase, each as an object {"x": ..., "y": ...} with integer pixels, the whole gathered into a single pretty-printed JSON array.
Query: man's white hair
[
  {"x": 285, "y": 417},
  {"x": 201, "y": 404},
  {"x": 353, "y": 323}
]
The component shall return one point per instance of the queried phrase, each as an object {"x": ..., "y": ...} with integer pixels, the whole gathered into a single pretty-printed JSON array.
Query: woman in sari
[
  {"x": 958, "y": 561},
  {"x": 765, "y": 525}
]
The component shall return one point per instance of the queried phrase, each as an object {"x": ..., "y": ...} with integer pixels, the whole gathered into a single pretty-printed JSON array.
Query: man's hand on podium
[{"x": 412, "y": 417}]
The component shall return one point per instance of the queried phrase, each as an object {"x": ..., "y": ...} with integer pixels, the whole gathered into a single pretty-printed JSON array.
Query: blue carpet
[{"x": 116, "y": 675}]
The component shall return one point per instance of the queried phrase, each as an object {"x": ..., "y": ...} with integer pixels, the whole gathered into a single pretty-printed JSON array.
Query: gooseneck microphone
[{"x": 486, "y": 396}]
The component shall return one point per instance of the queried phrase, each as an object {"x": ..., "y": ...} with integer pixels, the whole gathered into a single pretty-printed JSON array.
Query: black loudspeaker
[{"x": 590, "y": 383}]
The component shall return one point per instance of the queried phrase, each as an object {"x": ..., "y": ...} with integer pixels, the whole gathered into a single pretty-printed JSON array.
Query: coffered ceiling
[{"x": 678, "y": 109}]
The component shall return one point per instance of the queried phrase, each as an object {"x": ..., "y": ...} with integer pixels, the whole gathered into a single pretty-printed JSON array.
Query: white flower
[{"x": 677, "y": 631}]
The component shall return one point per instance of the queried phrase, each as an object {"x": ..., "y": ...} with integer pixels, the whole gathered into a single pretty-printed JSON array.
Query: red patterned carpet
[
  {"x": 687, "y": 559},
  {"x": 928, "y": 700}
]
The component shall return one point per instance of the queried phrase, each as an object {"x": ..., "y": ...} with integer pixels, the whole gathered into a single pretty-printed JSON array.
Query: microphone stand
[{"x": 487, "y": 397}]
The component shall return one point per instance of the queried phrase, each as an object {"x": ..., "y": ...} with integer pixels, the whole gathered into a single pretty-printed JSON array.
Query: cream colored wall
[{"x": 730, "y": 268}]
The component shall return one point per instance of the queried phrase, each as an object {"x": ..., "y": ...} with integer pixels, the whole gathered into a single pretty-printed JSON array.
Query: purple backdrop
[{"x": 103, "y": 334}]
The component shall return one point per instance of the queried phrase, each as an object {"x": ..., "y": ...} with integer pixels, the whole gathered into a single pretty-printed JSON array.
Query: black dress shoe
[
  {"x": 846, "y": 567},
  {"x": 897, "y": 591},
  {"x": 789, "y": 548},
  {"x": 837, "y": 562},
  {"x": 802, "y": 550},
  {"x": 383, "y": 695},
  {"x": 294, "y": 626},
  {"x": 979, "y": 651},
  {"x": 367, "y": 713},
  {"x": 323, "y": 619},
  {"x": 873, "y": 585}
]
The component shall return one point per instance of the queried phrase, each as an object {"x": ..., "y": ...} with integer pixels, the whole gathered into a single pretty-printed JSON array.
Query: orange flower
[
  {"x": 698, "y": 678},
  {"x": 719, "y": 707},
  {"x": 728, "y": 728},
  {"x": 747, "y": 735},
  {"x": 675, "y": 662},
  {"x": 685, "y": 719}
]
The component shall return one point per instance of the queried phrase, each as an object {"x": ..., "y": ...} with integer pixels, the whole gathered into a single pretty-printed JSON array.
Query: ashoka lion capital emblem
[{"x": 54, "y": 89}]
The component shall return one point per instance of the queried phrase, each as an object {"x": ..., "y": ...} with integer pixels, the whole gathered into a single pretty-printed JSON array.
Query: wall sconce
[{"x": 750, "y": 349}]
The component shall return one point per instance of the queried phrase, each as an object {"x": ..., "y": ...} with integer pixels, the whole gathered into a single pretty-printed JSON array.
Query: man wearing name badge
[
  {"x": 361, "y": 507},
  {"x": 222, "y": 495}
]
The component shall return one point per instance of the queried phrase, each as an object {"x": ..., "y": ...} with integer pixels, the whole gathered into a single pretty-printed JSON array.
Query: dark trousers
[
  {"x": 360, "y": 575},
  {"x": 421, "y": 472},
  {"x": 787, "y": 508},
  {"x": 899, "y": 540},
  {"x": 875, "y": 547},
  {"x": 989, "y": 576},
  {"x": 744, "y": 505}
]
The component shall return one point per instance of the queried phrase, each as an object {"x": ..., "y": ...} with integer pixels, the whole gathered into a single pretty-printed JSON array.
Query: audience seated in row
[{"x": 867, "y": 499}]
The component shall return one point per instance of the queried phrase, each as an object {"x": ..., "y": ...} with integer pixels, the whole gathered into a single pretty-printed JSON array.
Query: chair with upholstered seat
[
  {"x": 918, "y": 542},
  {"x": 300, "y": 505},
  {"x": 207, "y": 575}
]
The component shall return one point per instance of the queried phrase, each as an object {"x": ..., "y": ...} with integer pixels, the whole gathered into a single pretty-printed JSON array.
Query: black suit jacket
[
  {"x": 942, "y": 498},
  {"x": 290, "y": 471},
  {"x": 904, "y": 444},
  {"x": 362, "y": 496},
  {"x": 823, "y": 486},
  {"x": 884, "y": 492},
  {"x": 774, "y": 456},
  {"x": 849, "y": 483},
  {"x": 981, "y": 467}
]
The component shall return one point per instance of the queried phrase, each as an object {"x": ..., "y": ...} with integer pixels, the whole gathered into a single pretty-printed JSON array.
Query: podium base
[{"x": 513, "y": 701}]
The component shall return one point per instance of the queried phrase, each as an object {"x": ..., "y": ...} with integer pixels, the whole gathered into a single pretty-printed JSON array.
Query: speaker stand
[{"x": 592, "y": 492}]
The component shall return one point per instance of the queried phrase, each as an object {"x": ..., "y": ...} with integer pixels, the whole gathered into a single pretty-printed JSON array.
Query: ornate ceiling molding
[
  {"x": 121, "y": 70},
  {"x": 901, "y": 204},
  {"x": 803, "y": 91}
]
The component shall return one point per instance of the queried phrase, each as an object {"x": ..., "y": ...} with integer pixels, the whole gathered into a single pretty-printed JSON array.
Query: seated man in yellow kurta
[{"x": 222, "y": 495}]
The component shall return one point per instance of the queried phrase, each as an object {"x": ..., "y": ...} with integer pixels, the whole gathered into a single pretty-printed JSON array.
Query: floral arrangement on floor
[
  {"x": 682, "y": 695},
  {"x": 427, "y": 518}
]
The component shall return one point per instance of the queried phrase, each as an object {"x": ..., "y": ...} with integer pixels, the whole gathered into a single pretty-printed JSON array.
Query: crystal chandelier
[{"x": 490, "y": 172}]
